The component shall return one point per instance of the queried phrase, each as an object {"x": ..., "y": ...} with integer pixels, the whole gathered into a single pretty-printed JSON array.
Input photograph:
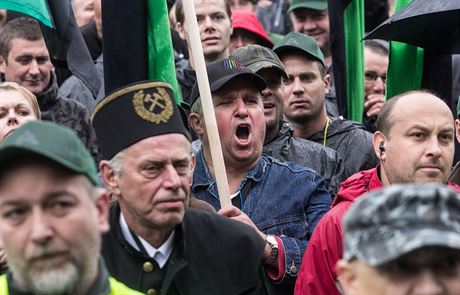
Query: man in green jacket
[{"x": 52, "y": 215}]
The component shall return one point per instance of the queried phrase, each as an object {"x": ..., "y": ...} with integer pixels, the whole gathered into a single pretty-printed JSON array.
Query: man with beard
[
  {"x": 304, "y": 104},
  {"x": 279, "y": 140},
  {"x": 414, "y": 142},
  {"x": 281, "y": 201},
  {"x": 52, "y": 215}
]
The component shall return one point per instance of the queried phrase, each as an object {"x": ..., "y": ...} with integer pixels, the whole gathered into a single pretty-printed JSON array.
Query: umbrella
[{"x": 431, "y": 24}]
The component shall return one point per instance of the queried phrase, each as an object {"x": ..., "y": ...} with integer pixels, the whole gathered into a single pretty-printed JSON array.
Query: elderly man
[
  {"x": 403, "y": 239},
  {"x": 52, "y": 215},
  {"x": 304, "y": 104},
  {"x": 215, "y": 24},
  {"x": 279, "y": 140},
  {"x": 415, "y": 144},
  {"x": 157, "y": 244},
  {"x": 281, "y": 201},
  {"x": 24, "y": 59}
]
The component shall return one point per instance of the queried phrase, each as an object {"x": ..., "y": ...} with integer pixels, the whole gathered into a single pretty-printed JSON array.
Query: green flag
[
  {"x": 346, "y": 19},
  {"x": 37, "y": 9},
  {"x": 161, "y": 64},
  {"x": 405, "y": 69}
]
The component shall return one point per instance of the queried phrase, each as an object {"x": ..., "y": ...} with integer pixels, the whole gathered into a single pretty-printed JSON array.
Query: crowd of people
[{"x": 117, "y": 193}]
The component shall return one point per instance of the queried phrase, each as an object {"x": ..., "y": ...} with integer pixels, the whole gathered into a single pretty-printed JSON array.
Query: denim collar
[{"x": 202, "y": 176}]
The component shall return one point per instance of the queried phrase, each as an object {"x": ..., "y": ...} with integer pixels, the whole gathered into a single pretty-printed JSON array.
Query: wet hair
[
  {"x": 385, "y": 119},
  {"x": 18, "y": 28},
  {"x": 441, "y": 260},
  {"x": 12, "y": 86},
  {"x": 378, "y": 47},
  {"x": 180, "y": 16}
]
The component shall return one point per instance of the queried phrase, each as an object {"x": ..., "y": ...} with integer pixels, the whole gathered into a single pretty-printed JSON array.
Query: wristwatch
[{"x": 271, "y": 241}]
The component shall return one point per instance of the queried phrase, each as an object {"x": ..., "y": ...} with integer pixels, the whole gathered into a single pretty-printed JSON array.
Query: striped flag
[
  {"x": 346, "y": 18},
  {"x": 137, "y": 43}
]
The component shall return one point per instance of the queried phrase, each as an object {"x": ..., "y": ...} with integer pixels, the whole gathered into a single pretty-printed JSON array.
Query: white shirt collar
[{"x": 161, "y": 255}]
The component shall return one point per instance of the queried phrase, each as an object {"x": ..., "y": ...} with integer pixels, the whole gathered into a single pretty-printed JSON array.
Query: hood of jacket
[
  {"x": 337, "y": 126},
  {"x": 47, "y": 99}
]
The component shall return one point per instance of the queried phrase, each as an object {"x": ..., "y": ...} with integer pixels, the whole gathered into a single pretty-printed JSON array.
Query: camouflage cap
[
  {"x": 256, "y": 58},
  {"x": 386, "y": 224}
]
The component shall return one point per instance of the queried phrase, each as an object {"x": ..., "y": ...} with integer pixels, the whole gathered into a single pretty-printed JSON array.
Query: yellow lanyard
[{"x": 325, "y": 131}]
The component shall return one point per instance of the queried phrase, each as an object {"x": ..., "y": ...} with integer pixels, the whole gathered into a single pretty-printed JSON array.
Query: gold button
[
  {"x": 148, "y": 266},
  {"x": 151, "y": 292}
]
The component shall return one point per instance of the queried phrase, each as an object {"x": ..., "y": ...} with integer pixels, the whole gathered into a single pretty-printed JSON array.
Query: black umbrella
[{"x": 431, "y": 24}]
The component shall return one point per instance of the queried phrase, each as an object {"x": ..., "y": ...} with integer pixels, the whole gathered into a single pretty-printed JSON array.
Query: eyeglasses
[{"x": 371, "y": 76}]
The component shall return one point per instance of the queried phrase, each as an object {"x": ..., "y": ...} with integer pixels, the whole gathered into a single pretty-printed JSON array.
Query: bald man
[{"x": 414, "y": 142}]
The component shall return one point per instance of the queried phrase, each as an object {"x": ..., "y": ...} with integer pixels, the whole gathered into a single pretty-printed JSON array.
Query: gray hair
[
  {"x": 116, "y": 163},
  {"x": 197, "y": 107}
]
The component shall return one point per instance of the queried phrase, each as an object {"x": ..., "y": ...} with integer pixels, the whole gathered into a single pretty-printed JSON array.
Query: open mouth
[
  {"x": 268, "y": 105},
  {"x": 242, "y": 132}
]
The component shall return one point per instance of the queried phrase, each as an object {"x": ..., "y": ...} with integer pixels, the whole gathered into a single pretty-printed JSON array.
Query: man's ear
[
  {"x": 378, "y": 142},
  {"x": 457, "y": 129},
  {"x": 327, "y": 83},
  {"x": 196, "y": 122},
  {"x": 2, "y": 65},
  {"x": 180, "y": 30},
  {"x": 109, "y": 177},
  {"x": 102, "y": 206},
  {"x": 346, "y": 278}
]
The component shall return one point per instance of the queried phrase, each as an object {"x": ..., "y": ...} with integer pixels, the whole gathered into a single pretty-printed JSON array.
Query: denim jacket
[{"x": 284, "y": 199}]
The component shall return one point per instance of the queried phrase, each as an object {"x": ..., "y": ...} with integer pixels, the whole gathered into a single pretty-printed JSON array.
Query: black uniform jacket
[{"x": 211, "y": 255}]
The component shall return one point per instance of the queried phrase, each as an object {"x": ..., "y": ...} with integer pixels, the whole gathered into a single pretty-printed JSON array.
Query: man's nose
[
  {"x": 379, "y": 86},
  {"x": 208, "y": 22},
  {"x": 41, "y": 231},
  {"x": 297, "y": 87},
  {"x": 434, "y": 147},
  {"x": 34, "y": 68},
  {"x": 172, "y": 178},
  {"x": 308, "y": 25},
  {"x": 266, "y": 92},
  {"x": 427, "y": 283}
]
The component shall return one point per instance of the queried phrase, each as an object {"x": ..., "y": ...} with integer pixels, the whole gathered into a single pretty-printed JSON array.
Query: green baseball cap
[
  {"x": 256, "y": 58},
  {"x": 295, "y": 41},
  {"x": 54, "y": 142},
  {"x": 310, "y": 4}
]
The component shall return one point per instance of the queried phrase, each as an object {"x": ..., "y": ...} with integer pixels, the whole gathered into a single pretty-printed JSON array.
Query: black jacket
[
  {"x": 352, "y": 143},
  {"x": 211, "y": 255},
  {"x": 69, "y": 113},
  {"x": 323, "y": 160}
]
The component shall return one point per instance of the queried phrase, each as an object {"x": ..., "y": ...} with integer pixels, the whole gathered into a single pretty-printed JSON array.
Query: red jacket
[{"x": 317, "y": 274}]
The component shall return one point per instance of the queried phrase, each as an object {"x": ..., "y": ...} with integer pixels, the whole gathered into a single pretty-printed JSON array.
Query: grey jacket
[
  {"x": 322, "y": 159},
  {"x": 75, "y": 89},
  {"x": 352, "y": 142},
  {"x": 69, "y": 113},
  {"x": 455, "y": 174}
]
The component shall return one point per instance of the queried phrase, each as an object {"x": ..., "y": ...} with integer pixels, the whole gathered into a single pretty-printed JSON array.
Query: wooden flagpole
[{"x": 206, "y": 101}]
